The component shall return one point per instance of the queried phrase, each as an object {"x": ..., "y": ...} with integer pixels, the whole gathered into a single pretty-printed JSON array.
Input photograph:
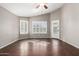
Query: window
[
  {"x": 39, "y": 27},
  {"x": 23, "y": 27}
]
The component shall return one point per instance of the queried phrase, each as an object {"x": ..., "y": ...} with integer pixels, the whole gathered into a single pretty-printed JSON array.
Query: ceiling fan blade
[{"x": 45, "y": 6}]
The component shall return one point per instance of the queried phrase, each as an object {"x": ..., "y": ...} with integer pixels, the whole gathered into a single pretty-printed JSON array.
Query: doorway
[{"x": 55, "y": 29}]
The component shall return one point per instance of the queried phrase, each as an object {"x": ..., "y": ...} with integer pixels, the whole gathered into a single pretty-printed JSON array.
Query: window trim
[
  {"x": 40, "y": 23},
  {"x": 26, "y": 22}
]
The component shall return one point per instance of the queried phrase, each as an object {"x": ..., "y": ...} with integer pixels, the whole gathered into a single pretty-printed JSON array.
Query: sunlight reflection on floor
[
  {"x": 55, "y": 47},
  {"x": 37, "y": 47}
]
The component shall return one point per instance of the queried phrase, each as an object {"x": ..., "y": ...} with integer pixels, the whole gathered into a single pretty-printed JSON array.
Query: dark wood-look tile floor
[{"x": 39, "y": 47}]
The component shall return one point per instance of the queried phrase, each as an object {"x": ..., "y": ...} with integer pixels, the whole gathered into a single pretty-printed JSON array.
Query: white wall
[
  {"x": 9, "y": 27},
  {"x": 70, "y": 24}
]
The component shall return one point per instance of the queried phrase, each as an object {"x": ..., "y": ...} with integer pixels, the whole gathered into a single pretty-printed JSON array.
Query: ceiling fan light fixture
[{"x": 42, "y": 6}]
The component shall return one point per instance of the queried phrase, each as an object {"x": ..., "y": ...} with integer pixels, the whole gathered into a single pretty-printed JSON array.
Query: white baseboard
[
  {"x": 8, "y": 44},
  {"x": 71, "y": 44}
]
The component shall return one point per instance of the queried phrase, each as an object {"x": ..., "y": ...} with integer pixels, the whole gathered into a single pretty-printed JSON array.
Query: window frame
[
  {"x": 25, "y": 25},
  {"x": 41, "y": 25}
]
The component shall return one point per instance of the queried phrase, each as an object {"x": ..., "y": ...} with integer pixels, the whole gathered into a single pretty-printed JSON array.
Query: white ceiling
[{"x": 28, "y": 9}]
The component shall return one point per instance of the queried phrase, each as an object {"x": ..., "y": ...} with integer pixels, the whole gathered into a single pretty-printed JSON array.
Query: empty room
[{"x": 39, "y": 29}]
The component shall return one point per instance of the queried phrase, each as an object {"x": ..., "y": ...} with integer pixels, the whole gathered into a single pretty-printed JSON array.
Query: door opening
[{"x": 55, "y": 29}]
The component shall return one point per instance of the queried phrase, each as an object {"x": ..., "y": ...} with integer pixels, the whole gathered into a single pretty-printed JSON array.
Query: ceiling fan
[{"x": 42, "y": 5}]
